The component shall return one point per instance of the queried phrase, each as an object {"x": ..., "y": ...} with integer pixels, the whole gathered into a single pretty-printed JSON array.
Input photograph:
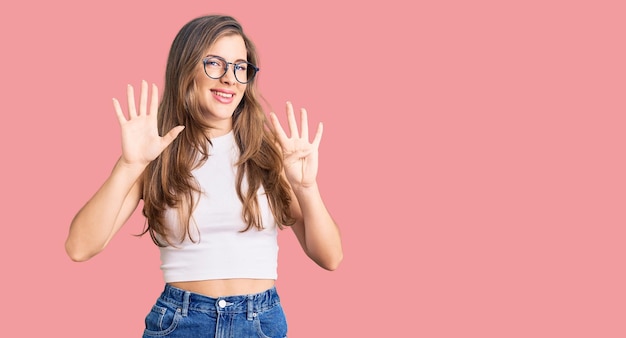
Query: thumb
[{"x": 171, "y": 135}]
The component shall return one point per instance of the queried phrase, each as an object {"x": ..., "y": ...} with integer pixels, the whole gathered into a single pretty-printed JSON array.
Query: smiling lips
[{"x": 223, "y": 96}]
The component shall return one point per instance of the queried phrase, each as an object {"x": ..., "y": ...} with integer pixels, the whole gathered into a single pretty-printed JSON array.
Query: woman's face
[{"x": 220, "y": 97}]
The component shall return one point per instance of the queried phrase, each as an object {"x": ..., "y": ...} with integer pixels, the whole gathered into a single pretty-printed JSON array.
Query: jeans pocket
[
  {"x": 271, "y": 323},
  {"x": 161, "y": 321}
]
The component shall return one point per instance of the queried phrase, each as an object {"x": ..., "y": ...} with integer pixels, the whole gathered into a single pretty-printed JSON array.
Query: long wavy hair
[{"x": 168, "y": 181}]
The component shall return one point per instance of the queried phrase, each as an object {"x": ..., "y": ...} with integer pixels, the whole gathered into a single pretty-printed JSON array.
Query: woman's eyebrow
[{"x": 244, "y": 60}]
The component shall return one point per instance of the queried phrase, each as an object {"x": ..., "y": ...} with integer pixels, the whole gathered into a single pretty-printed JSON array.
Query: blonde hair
[{"x": 168, "y": 181}]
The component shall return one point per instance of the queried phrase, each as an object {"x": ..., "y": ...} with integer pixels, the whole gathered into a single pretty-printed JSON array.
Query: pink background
[{"x": 473, "y": 156}]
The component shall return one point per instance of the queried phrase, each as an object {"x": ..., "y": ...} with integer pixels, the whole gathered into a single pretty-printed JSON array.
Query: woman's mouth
[{"x": 223, "y": 97}]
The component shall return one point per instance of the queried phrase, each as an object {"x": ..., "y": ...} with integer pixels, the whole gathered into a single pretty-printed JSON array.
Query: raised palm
[
  {"x": 141, "y": 142},
  {"x": 300, "y": 157}
]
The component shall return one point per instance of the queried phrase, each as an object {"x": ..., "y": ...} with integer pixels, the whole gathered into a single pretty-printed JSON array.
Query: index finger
[
  {"x": 278, "y": 128},
  {"x": 154, "y": 100},
  {"x": 130, "y": 93}
]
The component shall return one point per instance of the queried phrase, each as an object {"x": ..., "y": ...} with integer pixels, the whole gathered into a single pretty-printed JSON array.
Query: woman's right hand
[{"x": 141, "y": 142}]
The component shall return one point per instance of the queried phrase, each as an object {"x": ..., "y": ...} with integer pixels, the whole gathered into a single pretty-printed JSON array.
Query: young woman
[{"x": 216, "y": 187}]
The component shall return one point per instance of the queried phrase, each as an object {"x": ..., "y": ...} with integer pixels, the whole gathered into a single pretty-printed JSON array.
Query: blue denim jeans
[{"x": 180, "y": 313}]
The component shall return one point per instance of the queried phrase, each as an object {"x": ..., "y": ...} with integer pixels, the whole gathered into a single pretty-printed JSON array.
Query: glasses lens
[
  {"x": 214, "y": 67},
  {"x": 244, "y": 72}
]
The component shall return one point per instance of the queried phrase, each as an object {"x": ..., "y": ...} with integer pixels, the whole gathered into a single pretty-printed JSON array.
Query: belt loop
[
  {"x": 186, "y": 303},
  {"x": 250, "y": 307}
]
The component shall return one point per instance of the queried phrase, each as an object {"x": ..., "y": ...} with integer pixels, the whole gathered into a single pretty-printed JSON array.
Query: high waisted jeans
[{"x": 180, "y": 313}]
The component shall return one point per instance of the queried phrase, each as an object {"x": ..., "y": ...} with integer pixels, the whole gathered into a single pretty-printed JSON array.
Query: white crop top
[{"x": 220, "y": 250}]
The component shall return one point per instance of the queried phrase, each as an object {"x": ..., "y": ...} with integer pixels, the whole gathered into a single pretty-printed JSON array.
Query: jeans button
[{"x": 221, "y": 303}]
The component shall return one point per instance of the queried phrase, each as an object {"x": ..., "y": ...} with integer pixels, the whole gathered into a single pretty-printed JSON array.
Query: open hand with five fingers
[
  {"x": 300, "y": 156},
  {"x": 141, "y": 142}
]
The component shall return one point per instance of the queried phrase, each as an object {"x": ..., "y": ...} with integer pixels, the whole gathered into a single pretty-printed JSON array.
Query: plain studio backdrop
[{"x": 473, "y": 156}]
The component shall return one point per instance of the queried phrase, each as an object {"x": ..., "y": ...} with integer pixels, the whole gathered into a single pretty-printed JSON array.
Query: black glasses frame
[{"x": 235, "y": 65}]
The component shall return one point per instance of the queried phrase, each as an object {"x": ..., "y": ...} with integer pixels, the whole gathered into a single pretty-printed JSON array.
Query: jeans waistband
[{"x": 250, "y": 304}]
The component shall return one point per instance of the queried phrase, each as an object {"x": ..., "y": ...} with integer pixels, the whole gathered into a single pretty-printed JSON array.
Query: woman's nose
[{"x": 229, "y": 76}]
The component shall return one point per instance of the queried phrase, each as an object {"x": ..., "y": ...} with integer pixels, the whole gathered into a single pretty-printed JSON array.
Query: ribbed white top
[{"x": 221, "y": 250}]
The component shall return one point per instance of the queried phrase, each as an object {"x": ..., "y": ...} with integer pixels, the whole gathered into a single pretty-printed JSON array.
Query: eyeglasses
[{"x": 215, "y": 67}]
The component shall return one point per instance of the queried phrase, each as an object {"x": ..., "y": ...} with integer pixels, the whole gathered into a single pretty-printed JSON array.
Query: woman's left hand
[{"x": 300, "y": 157}]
